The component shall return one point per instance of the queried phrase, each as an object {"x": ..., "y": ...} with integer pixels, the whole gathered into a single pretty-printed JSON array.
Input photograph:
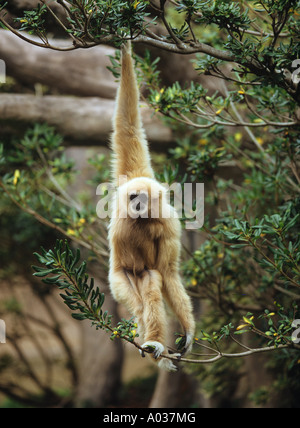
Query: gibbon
[{"x": 144, "y": 244}]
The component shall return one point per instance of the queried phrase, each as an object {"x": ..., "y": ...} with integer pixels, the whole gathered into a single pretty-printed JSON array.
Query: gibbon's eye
[{"x": 133, "y": 197}]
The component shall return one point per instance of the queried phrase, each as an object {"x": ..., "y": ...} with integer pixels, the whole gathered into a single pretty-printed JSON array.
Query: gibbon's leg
[
  {"x": 154, "y": 317},
  {"x": 143, "y": 297},
  {"x": 124, "y": 291},
  {"x": 178, "y": 300}
]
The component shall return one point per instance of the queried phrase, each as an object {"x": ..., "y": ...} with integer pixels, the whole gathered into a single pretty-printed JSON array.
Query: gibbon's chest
[{"x": 138, "y": 244}]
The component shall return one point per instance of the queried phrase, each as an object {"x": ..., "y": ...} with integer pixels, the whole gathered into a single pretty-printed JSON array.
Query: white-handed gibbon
[{"x": 145, "y": 242}]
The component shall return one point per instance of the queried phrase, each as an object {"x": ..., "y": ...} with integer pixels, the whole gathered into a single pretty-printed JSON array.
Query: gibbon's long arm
[{"x": 129, "y": 144}]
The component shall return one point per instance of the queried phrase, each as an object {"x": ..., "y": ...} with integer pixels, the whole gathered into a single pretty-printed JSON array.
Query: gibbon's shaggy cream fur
[{"x": 145, "y": 246}]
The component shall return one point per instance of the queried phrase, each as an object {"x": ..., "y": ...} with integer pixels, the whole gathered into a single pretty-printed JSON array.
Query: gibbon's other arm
[{"x": 129, "y": 145}]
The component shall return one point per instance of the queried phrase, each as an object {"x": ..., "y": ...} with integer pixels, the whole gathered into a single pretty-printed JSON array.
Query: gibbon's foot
[
  {"x": 166, "y": 364},
  {"x": 156, "y": 347}
]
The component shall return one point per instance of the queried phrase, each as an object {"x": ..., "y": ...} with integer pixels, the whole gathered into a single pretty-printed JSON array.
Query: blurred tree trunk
[
  {"x": 100, "y": 363},
  {"x": 84, "y": 71},
  {"x": 101, "y": 360},
  {"x": 175, "y": 390},
  {"x": 81, "y": 119},
  {"x": 81, "y": 72}
]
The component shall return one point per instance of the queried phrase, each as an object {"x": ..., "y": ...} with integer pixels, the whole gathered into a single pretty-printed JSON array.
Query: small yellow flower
[
  {"x": 157, "y": 97},
  {"x": 258, "y": 120},
  {"x": 23, "y": 21},
  {"x": 238, "y": 136},
  {"x": 133, "y": 332},
  {"x": 116, "y": 332},
  {"x": 194, "y": 282},
  {"x": 221, "y": 256},
  {"x": 17, "y": 175},
  {"x": 71, "y": 232},
  {"x": 272, "y": 314},
  {"x": 249, "y": 163},
  {"x": 82, "y": 221},
  {"x": 260, "y": 141},
  {"x": 219, "y": 111},
  {"x": 242, "y": 92},
  {"x": 136, "y": 3},
  {"x": 203, "y": 141}
]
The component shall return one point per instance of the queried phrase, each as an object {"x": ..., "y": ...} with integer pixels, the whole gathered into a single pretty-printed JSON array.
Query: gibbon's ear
[{"x": 130, "y": 148}]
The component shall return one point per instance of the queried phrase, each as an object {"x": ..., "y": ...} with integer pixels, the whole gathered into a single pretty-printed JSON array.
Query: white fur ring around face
[{"x": 158, "y": 348}]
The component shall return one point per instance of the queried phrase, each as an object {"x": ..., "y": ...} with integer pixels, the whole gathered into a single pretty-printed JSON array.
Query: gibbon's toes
[
  {"x": 167, "y": 365},
  {"x": 156, "y": 347}
]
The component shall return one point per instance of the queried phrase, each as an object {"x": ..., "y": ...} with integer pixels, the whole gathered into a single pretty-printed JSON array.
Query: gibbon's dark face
[
  {"x": 141, "y": 198},
  {"x": 139, "y": 204}
]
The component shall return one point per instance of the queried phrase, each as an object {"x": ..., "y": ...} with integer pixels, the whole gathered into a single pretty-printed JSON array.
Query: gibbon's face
[{"x": 141, "y": 198}]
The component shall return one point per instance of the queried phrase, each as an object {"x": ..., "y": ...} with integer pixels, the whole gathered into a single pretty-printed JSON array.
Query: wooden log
[
  {"x": 81, "y": 72},
  {"x": 85, "y": 120}
]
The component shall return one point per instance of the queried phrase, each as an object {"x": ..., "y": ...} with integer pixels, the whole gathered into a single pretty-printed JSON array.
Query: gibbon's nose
[{"x": 139, "y": 204}]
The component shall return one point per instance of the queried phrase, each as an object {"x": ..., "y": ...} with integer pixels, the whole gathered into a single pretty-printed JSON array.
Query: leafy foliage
[
  {"x": 62, "y": 268},
  {"x": 241, "y": 139}
]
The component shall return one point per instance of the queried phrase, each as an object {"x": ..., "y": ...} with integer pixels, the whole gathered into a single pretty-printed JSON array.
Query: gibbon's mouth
[{"x": 139, "y": 211}]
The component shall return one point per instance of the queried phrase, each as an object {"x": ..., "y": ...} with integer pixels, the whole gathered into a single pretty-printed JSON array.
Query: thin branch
[
  {"x": 53, "y": 180},
  {"x": 60, "y": 23},
  {"x": 229, "y": 356},
  {"x": 100, "y": 252},
  {"x": 34, "y": 42}
]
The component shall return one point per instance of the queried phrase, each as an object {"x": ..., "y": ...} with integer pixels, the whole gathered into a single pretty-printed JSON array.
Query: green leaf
[
  {"x": 46, "y": 272},
  {"x": 79, "y": 317}
]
